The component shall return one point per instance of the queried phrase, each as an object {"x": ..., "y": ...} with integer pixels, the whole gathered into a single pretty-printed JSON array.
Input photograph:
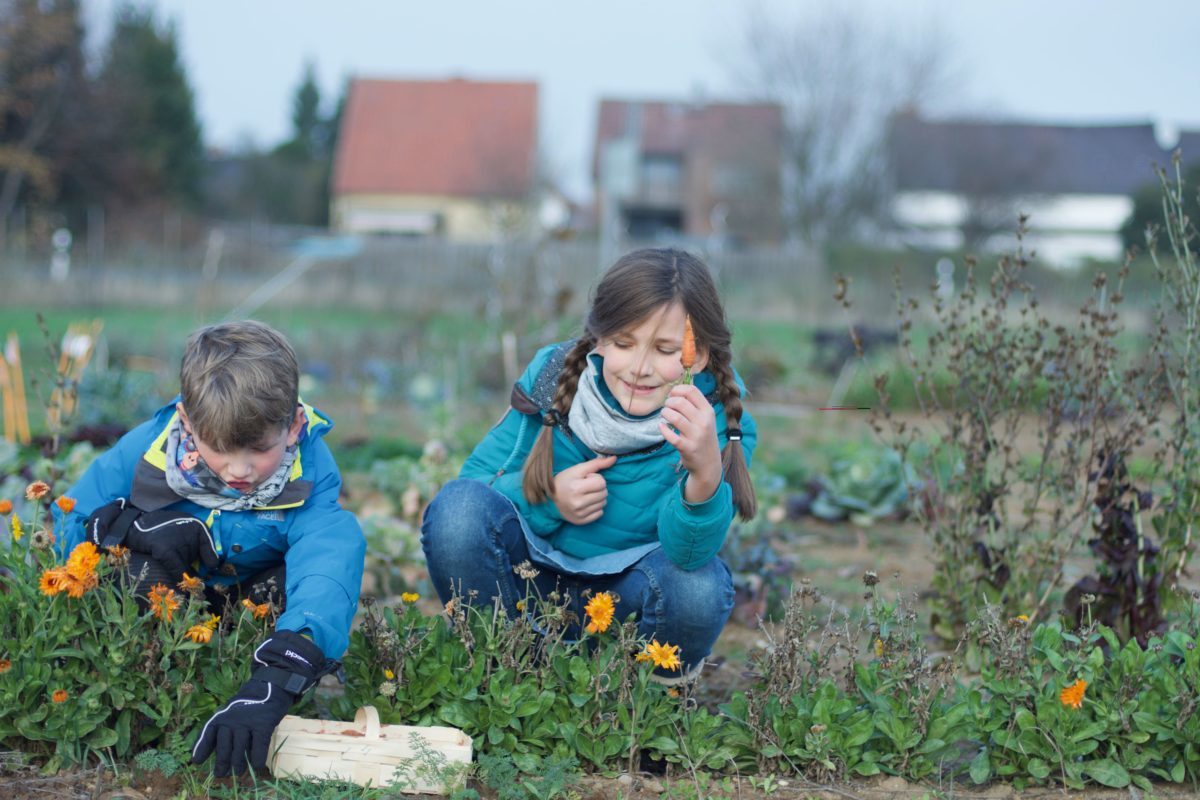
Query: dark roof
[
  {"x": 977, "y": 157},
  {"x": 1189, "y": 144},
  {"x": 457, "y": 137},
  {"x": 665, "y": 127}
]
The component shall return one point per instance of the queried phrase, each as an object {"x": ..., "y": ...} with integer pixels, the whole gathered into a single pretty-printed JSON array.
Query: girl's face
[
  {"x": 247, "y": 467},
  {"x": 642, "y": 363}
]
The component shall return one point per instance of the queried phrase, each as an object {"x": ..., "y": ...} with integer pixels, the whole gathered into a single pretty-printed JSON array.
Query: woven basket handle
[{"x": 367, "y": 718}]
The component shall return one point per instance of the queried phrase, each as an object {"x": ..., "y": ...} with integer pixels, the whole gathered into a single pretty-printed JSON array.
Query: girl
[{"x": 613, "y": 474}]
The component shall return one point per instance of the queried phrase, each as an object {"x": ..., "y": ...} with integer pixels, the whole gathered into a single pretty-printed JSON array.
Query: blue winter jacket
[
  {"x": 305, "y": 527},
  {"x": 645, "y": 490}
]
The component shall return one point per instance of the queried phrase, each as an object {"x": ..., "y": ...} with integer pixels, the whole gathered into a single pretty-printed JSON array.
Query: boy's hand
[
  {"x": 580, "y": 492},
  {"x": 286, "y": 666},
  {"x": 695, "y": 437},
  {"x": 172, "y": 539}
]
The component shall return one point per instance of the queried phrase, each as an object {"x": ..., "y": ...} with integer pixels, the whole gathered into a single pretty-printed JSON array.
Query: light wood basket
[{"x": 369, "y": 754}]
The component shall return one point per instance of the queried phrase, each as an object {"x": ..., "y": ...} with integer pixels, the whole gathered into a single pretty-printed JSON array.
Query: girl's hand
[
  {"x": 580, "y": 492},
  {"x": 688, "y": 412}
]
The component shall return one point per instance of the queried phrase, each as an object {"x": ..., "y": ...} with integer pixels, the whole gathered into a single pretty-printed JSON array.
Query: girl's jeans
[{"x": 473, "y": 538}]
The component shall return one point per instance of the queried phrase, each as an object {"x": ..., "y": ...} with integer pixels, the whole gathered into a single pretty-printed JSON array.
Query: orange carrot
[{"x": 687, "y": 355}]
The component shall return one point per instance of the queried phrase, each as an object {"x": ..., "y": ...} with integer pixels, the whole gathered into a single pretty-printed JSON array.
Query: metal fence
[{"x": 231, "y": 264}]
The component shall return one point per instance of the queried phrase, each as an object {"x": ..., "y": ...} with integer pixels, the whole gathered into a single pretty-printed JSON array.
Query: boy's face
[
  {"x": 641, "y": 364},
  {"x": 247, "y": 467}
]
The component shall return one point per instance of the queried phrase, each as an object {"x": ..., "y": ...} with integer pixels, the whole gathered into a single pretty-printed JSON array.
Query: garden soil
[{"x": 100, "y": 785}]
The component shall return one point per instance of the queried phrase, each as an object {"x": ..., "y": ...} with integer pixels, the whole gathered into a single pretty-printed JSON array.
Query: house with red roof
[
  {"x": 708, "y": 171},
  {"x": 454, "y": 158}
]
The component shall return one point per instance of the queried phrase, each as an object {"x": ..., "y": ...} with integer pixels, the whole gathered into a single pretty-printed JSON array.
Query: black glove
[
  {"x": 286, "y": 666},
  {"x": 172, "y": 539}
]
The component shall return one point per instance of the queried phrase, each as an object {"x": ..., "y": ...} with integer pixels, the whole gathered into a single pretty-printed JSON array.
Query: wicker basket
[{"x": 369, "y": 754}]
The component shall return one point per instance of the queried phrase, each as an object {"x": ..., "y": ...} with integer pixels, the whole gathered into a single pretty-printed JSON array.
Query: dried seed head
[{"x": 870, "y": 577}]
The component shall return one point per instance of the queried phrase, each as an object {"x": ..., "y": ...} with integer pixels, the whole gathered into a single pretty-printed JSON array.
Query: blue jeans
[{"x": 473, "y": 536}]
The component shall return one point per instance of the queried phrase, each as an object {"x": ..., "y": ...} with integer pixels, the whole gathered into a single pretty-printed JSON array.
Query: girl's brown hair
[{"x": 633, "y": 288}]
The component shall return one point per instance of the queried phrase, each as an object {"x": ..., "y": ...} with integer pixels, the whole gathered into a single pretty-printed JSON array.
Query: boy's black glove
[
  {"x": 172, "y": 539},
  {"x": 286, "y": 666}
]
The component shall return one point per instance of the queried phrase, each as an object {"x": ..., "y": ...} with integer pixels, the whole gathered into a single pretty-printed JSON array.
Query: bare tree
[{"x": 839, "y": 77}]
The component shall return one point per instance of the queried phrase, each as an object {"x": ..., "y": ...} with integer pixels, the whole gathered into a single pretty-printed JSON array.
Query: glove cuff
[{"x": 290, "y": 661}]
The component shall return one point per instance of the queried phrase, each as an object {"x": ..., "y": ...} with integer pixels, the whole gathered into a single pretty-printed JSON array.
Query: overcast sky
[{"x": 1079, "y": 61}]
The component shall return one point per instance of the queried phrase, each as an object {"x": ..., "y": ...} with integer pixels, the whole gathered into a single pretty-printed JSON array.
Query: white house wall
[{"x": 1065, "y": 229}]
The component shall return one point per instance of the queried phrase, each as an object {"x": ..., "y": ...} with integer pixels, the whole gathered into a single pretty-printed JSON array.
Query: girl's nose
[{"x": 644, "y": 367}]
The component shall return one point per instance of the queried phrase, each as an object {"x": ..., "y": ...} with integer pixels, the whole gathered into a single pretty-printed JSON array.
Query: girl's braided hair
[{"x": 633, "y": 288}]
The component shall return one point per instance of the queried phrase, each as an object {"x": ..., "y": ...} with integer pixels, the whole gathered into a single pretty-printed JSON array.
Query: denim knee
[
  {"x": 469, "y": 534},
  {"x": 688, "y": 608}
]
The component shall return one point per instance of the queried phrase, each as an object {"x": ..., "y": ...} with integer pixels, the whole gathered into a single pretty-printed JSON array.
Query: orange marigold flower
[
  {"x": 83, "y": 560},
  {"x": 59, "y": 696},
  {"x": 200, "y": 634},
  {"x": 664, "y": 656},
  {"x": 37, "y": 490},
  {"x": 78, "y": 588},
  {"x": 163, "y": 602},
  {"x": 191, "y": 584},
  {"x": 5, "y": 665},
  {"x": 5, "y": 506},
  {"x": 1072, "y": 696},
  {"x": 54, "y": 581},
  {"x": 259, "y": 611},
  {"x": 600, "y": 612},
  {"x": 65, "y": 504}
]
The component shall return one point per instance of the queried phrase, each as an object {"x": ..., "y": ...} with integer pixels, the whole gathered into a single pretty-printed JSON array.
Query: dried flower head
[
  {"x": 200, "y": 634},
  {"x": 59, "y": 696},
  {"x": 37, "y": 490},
  {"x": 65, "y": 504},
  {"x": 6, "y": 506},
  {"x": 1072, "y": 696},
  {"x": 526, "y": 570},
  {"x": 599, "y": 611},
  {"x": 870, "y": 577},
  {"x": 387, "y": 689},
  {"x": 41, "y": 539},
  {"x": 117, "y": 556},
  {"x": 191, "y": 585},
  {"x": 163, "y": 601},
  {"x": 663, "y": 656}
]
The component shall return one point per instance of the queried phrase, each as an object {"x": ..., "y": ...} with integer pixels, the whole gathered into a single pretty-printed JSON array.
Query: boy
[{"x": 234, "y": 476}]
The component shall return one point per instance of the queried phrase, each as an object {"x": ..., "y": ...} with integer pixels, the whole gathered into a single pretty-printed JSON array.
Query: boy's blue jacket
[
  {"x": 645, "y": 490},
  {"x": 305, "y": 527}
]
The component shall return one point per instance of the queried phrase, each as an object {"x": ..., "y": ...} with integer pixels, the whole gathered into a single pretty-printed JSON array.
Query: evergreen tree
[
  {"x": 157, "y": 152},
  {"x": 42, "y": 85}
]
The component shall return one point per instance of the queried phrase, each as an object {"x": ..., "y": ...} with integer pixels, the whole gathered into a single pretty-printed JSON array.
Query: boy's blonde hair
[{"x": 240, "y": 382}]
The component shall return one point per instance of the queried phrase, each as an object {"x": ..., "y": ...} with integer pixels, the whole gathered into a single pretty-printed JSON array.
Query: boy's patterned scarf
[
  {"x": 607, "y": 430},
  {"x": 190, "y": 478}
]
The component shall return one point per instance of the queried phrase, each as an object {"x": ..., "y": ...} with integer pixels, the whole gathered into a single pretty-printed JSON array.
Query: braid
[
  {"x": 538, "y": 482},
  {"x": 733, "y": 458}
]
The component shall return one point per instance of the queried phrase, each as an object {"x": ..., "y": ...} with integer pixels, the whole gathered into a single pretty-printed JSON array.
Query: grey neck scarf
[
  {"x": 604, "y": 429},
  {"x": 204, "y": 488}
]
